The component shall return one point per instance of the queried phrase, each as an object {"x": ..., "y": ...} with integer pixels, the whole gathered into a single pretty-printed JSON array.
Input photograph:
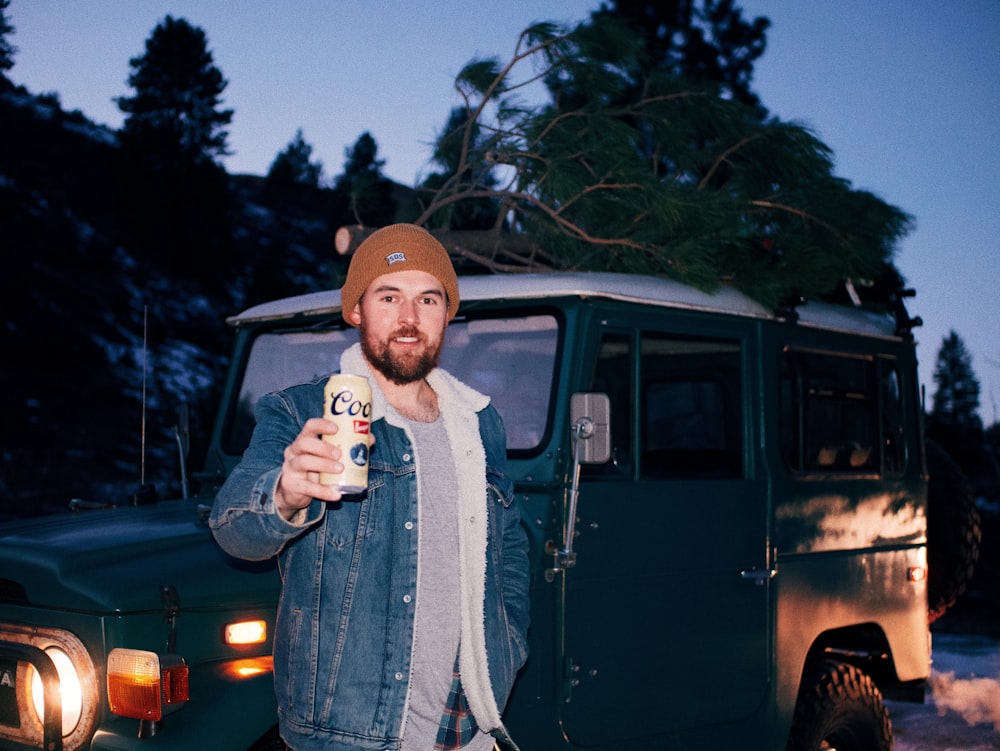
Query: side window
[
  {"x": 277, "y": 360},
  {"x": 691, "y": 422},
  {"x": 512, "y": 359},
  {"x": 688, "y": 410},
  {"x": 894, "y": 445},
  {"x": 829, "y": 414}
]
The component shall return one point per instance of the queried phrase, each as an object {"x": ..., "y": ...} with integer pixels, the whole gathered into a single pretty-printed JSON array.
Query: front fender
[{"x": 232, "y": 705}]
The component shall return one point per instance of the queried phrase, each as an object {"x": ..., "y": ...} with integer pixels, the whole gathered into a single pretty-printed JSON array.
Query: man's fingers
[{"x": 317, "y": 426}]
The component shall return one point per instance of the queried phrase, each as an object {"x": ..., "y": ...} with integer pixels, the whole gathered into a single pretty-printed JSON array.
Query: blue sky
[{"x": 905, "y": 92}]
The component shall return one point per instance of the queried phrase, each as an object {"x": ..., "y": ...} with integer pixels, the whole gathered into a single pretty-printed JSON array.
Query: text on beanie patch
[{"x": 393, "y": 257}]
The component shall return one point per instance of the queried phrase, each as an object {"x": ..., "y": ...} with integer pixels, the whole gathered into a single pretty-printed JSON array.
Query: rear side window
[{"x": 841, "y": 413}]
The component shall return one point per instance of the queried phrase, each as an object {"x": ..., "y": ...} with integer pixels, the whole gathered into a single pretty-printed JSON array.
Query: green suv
[{"x": 726, "y": 509}]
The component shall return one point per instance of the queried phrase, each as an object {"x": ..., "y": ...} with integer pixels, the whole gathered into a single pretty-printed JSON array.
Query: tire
[
  {"x": 954, "y": 532},
  {"x": 839, "y": 707}
]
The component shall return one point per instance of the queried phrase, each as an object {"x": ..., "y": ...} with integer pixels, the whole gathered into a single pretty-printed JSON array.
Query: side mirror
[{"x": 590, "y": 420}]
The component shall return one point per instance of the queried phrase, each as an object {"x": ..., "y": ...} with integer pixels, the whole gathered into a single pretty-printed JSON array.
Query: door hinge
[{"x": 570, "y": 678}]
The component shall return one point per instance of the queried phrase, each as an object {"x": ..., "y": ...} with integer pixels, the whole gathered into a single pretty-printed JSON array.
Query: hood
[{"x": 115, "y": 561}]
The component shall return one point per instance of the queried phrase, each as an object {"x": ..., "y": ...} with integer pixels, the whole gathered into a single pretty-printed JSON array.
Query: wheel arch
[{"x": 866, "y": 647}]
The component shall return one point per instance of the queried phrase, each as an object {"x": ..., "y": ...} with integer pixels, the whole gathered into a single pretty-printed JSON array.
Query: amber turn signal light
[
  {"x": 145, "y": 684},
  {"x": 242, "y": 633}
]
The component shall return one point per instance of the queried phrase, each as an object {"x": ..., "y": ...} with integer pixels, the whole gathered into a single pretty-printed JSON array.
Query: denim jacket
[{"x": 344, "y": 632}]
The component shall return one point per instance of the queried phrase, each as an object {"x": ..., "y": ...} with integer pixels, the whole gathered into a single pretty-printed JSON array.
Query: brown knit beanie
[{"x": 398, "y": 247}]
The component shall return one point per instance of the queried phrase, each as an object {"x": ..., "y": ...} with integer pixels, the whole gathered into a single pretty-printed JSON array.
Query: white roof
[{"x": 645, "y": 290}]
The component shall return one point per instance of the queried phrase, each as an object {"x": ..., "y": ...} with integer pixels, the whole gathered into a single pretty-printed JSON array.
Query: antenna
[
  {"x": 142, "y": 430},
  {"x": 146, "y": 493}
]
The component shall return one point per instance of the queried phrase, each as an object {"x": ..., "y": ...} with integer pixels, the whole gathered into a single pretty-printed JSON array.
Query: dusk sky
[{"x": 905, "y": 92}]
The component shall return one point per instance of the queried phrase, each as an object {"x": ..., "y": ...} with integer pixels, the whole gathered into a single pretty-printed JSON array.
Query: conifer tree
[
  {"x": 668, "y": 177},
  {"x": 363, "y": 195},
  {"x": 293, "y": 167},
  {"x": 457, "y": 170},
  {"x": 174, "y": 191},
  {"x": 707, "y": 41},
  {"x": 7, "y": 49},
  {"x": 956, "y": 398},
  {"x": 954, "y": 422},
  {"x": 174, "y": 115}
]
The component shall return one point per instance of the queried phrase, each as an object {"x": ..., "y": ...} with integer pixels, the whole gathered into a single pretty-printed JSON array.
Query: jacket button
[
  {"x": 407, "y": 598},
  {"x": 408, "y": 525},
  {"x": 399, "y": 676}
]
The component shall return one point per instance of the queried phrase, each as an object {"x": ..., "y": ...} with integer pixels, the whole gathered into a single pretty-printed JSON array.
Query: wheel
[
  {"x": 839, "y": 707},
  {"x": 953, "y": 531}
]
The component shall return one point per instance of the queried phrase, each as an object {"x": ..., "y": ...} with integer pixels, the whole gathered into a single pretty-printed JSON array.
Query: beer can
[{"x": 347, "y": 401}]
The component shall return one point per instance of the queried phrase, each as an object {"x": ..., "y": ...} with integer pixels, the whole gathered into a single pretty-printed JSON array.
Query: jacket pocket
[{"x": 288, "y": 647}]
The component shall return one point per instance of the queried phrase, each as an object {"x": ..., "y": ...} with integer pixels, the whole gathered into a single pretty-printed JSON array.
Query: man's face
[{"x": 402, "y": 317}]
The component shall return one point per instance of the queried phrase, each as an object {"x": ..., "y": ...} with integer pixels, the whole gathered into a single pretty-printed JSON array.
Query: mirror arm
[{"x": 565, "y": 557}]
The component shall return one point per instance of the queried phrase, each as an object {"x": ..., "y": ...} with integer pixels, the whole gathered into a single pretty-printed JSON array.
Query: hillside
[{"x": 96, "y": 255}]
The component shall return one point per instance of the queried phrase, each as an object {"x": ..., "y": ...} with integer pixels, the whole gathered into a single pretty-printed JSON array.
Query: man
[{"x": 403, "y": 614}]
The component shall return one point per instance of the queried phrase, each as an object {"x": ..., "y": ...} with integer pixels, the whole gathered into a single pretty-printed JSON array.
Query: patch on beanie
[{"x": 393, "y": 257}]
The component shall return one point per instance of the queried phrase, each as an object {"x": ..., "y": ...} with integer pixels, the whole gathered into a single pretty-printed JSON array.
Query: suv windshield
[{"x": 511, "y": 359}]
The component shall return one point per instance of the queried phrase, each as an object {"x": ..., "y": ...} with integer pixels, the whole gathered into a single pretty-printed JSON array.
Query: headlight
[
  {"x": 70, "y": 690},
  {"x": 79, "y": 691}
]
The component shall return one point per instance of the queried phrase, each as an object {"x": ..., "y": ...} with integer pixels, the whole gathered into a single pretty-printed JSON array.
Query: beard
[{"x": 404, "y": 369}]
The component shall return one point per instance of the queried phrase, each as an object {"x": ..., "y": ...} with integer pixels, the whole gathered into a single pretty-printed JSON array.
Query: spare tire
[{"x": 954, "y": 531}]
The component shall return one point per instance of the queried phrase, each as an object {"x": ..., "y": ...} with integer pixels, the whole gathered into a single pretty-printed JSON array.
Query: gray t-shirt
[{"x": 436, "y": 628}]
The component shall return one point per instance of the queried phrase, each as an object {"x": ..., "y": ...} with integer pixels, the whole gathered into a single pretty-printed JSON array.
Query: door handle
[{"x": 759, "y": 575}]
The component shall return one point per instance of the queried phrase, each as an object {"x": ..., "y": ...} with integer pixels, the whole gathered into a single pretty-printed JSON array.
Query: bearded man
[{"x": 403, "y": 614}]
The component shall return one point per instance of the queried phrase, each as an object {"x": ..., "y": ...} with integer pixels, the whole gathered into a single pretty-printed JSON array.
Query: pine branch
[{"x": 799, "y": 213}]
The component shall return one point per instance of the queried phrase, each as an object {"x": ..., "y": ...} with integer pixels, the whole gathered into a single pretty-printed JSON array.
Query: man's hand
[{"x": 305, "y": 458}]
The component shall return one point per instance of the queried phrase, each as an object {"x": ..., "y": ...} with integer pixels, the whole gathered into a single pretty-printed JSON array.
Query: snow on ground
[{"x": 962, "y": 710}]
